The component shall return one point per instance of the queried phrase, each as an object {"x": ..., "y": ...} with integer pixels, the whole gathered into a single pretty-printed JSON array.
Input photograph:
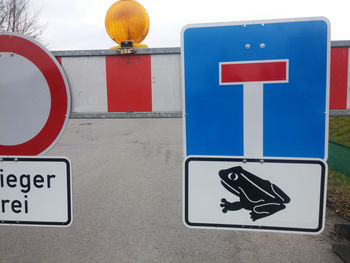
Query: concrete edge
[
  {"x": 343, "y": 230},
  {"x": 343, "y": 251},
  {"x": 123, "y": 115},
  {"x": 339, "y": 112},
  {"x": 340, "y": 43},
  {"x": 148, "y": 51},
  {"x": 172, "y": 114},
  {"x": 111, "y": 52}
]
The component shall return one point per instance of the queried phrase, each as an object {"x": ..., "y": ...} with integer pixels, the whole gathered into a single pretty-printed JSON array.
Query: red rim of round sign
[{"x": 59, "y": 91}]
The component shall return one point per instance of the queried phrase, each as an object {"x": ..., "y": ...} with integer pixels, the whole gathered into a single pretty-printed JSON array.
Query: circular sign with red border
[{"x": 34, "y": 97}]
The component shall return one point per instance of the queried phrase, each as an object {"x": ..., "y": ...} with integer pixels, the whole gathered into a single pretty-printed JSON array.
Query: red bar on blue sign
[{"x": 254, "y": 71}]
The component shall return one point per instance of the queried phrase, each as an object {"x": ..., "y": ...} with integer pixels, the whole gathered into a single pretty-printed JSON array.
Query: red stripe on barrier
[
  {"x": 129, "y": 87},
  {"x": 253, "y": 72},
  {"x": 339, "y": 78}
]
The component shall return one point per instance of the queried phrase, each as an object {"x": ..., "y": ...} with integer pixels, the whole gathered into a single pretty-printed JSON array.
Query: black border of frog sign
[
  {"x": 256, "y": 227},
  {"x": 69, "y": 193}
]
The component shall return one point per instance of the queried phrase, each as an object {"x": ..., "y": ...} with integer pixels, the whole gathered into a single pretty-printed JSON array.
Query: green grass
[
  {"x": 339, "y": 193},
  {"x": 339, "y": 130},
  {"x": 338, "y": 180},
  {"x": 338, "y": 184}
]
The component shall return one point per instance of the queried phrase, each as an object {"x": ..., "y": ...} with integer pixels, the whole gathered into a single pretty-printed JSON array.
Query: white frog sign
[
  {"x": 35, "y": 191},
  {"x": 272, "y": 195}
]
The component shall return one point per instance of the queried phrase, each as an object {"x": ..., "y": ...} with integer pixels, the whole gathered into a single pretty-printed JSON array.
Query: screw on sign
[{"x": 34, "y": 97}]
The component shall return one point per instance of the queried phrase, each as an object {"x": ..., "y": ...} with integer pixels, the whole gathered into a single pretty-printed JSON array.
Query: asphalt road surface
[{"x": 127, "y": 200}]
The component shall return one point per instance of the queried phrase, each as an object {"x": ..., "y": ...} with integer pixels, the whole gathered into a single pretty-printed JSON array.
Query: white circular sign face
[
  {"x": 18, "y": 126},
  {"x": 34, "y": 97}
]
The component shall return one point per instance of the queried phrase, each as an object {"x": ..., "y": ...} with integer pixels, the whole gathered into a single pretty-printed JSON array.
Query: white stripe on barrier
[
  {"x": 166, "y": 85},
  {"x": 87, "y": 81}
]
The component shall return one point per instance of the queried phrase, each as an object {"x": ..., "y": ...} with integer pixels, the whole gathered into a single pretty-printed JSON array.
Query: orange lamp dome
[{"x": 127, "y": 20}]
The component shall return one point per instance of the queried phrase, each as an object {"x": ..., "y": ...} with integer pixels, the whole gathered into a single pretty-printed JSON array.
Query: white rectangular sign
[
  {"x": 35, "y": 191},
  {"x": 270, "y": 194}
]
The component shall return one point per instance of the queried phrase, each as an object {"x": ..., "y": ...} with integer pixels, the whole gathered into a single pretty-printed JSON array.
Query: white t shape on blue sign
[
  {"x": 253, "y": 75},
  {"x": 269, "y": 97}
]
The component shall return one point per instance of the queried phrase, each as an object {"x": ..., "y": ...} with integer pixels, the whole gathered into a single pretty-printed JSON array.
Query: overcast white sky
[{"x": 79, "y": 24}]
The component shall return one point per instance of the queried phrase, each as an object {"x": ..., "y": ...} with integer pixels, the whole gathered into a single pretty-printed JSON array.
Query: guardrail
[{"x": 148, "y": 83}]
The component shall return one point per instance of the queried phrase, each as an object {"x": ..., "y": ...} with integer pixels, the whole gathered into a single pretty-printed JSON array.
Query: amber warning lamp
[{"x": 127, "y": 23}]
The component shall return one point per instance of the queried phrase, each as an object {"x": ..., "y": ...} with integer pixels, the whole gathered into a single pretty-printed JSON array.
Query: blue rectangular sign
[{"x": 230, "y": 78}]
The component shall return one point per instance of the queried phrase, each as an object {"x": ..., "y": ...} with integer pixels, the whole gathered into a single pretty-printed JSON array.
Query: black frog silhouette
[{"x": 259, "y": 196}]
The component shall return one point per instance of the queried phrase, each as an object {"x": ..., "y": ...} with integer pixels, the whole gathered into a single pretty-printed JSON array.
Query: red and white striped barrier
[
  {"x": 150, "y": 80},
  {"x": 135, "y": 83}
]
